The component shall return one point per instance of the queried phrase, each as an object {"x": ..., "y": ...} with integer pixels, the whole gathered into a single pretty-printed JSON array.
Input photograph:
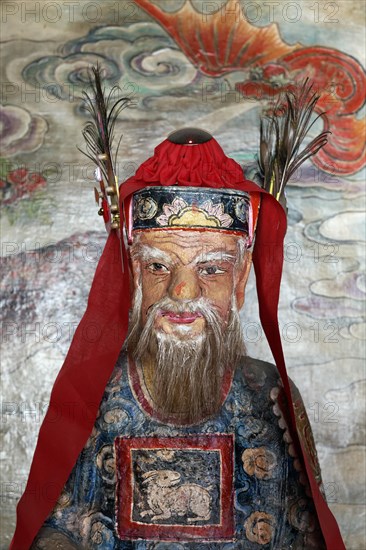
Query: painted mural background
[{"x": 202, "y": 63}]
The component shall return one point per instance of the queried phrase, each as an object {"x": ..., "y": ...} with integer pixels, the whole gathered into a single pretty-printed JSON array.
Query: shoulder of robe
[
  {"x": 259, "y": 374},
  {"x": 264, "y": 377}
]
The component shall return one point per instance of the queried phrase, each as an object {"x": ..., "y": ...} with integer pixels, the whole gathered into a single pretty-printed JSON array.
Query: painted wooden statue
[{"x": 180, "y": 441}]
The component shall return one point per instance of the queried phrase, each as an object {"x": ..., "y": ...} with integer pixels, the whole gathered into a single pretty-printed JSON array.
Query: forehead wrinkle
[
  {"x": 179, "y": 243},
  {"x": 182, "y": 238}
]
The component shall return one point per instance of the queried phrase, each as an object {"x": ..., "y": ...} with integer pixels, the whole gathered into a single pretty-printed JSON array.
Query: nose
[{"x": 184, "y": 285}]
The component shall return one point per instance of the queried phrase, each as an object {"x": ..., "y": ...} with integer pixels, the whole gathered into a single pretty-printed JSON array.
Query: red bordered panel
[{"x": 175, "y": 489}]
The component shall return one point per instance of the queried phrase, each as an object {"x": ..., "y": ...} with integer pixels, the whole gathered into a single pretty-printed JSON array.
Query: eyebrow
[
  {"x": 146, "y": 252},
  {"x": 215, "y": 256}
]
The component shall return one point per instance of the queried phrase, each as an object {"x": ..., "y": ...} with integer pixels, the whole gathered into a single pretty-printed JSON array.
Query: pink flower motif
[
  {"x": 17, "y": 177},
  {"x": 178, "y": 204},
  {"x": 218, "y": 212},
  {"x": 21, "y": 182},
  {"x": 170, "y": 210},
  {"x": 34, "y": 181}
]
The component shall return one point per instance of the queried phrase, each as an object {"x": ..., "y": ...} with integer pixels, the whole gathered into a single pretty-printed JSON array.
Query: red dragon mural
[{"x": 224, "y": 41}]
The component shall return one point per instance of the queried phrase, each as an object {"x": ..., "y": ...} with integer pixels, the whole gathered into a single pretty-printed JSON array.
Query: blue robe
[{"x": 230, "y": 482}]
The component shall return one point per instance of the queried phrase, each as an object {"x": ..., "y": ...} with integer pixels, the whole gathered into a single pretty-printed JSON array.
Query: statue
[{"x": 190, "y": 444}]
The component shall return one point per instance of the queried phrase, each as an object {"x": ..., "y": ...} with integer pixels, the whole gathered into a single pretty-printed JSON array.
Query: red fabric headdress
[{"x": 79, "y": 387}]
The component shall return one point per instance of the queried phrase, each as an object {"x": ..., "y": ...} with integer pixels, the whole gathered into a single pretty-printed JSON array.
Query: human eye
[
  {"x": 157, "y": 267},
  {"x": 211, "y": 270}
]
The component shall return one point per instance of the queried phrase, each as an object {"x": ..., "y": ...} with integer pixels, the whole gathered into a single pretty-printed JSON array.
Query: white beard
[{"x": 188, "y": 372}]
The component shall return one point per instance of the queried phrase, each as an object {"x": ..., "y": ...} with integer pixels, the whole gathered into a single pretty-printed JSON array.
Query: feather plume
[
  {"x": 99, "y": 137},
  {"x": 99, "y": 131},
  {"x": 282, "y": 133}
]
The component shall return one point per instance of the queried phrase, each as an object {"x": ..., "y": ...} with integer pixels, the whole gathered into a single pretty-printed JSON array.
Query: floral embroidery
[
  {"x": 300, "y": 517},
  {"x": 260, "y": 527},
  {"x": 259, "y": 462}
]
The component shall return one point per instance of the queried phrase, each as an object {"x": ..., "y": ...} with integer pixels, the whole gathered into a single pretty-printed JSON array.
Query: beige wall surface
[{"x": 213, "y": 65}]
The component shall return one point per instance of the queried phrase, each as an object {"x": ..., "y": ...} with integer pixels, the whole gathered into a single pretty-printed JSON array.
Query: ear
[{"x": 242, "y": 278}]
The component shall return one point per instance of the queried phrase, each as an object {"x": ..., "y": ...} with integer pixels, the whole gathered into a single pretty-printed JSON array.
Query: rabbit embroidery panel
[
  {"x": 165, "y": 500},
  {"x": 185, "y": 482}
]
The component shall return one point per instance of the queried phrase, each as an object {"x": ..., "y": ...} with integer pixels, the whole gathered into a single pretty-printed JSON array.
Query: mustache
[{"x": 200, "y": 306}]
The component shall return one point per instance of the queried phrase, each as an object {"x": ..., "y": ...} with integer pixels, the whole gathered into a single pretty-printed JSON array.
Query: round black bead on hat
[{"x": 189, "y": 136}]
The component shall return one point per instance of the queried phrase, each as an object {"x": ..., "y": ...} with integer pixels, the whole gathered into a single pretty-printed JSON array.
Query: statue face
[
  {"x": 185, "y": 266},
  {"x": 185, "y": 325}
]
